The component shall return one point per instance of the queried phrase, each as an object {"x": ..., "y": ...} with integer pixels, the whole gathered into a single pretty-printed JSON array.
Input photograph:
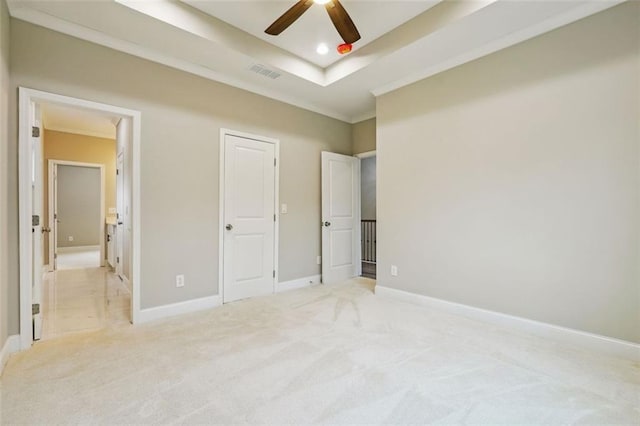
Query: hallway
[{"x": 85, "y": 299}]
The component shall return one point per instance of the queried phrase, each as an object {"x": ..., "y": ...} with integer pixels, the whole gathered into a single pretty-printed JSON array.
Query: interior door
[
  {"x": 37, "y": 218},
  {"x": 340, "y": 217},
  {"x": 249, "y": 218},
  {"x": 119, "y": 243},
  {"x": 53, "y": 236}
]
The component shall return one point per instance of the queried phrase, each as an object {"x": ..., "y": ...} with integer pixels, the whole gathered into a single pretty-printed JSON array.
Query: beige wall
[
  {"x": 513, "y": 183},
  {"x": 363, "y": 135},
  {"x": 181, "y": 119},
  {"x": 6, "y": 178},
  {"x": 83, "y": 149}
]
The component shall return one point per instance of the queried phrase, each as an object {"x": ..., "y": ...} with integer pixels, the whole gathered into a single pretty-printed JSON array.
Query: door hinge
[
  {"x": 117, "y": 260},
  {"x": 274, "y": 273},
  {"x": 274, "y": 162},
  {"x": 35, "y": 131},
  {"x": 55, "y": 255},
  {"x": 35, "y": 309},
  {"x": 35, "y": 220},
  {"x": 274, "y": 217},
  {"x": 117, "y": 171}
]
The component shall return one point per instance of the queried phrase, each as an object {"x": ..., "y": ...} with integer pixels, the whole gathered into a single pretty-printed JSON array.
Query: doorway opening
[
  {"x": 75, "y": 204},
  {"x": 69, "y": 202},
  {"x": 368, "y": 217}
]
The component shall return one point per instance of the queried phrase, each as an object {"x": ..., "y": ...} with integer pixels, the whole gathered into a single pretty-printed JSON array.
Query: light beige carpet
[{"x": 325, "y": 354}]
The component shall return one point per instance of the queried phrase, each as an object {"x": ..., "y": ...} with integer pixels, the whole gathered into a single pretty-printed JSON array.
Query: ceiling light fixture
[
  {"x": 322, "y": 49},
  {"x": 321, "y": 1}
]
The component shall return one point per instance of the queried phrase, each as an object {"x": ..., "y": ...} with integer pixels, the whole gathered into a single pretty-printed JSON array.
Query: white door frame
[
  {"x": 51, "y": 167},
  {"x": 367, "y": 154},
  {"x": 221, "y": 194},
  {"x": 25, "y": 97}
]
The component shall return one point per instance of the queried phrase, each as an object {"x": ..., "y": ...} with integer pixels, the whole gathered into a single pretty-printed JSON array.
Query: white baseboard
[
  {"x": 167, "y": 311},
  {"x": 11, "y": 346},
  {"x": 298, "y": 283},
  {"x": 590, "y": 341},
  {"x": 76, "y": 249},
  {"x": 127, "y": 284}
]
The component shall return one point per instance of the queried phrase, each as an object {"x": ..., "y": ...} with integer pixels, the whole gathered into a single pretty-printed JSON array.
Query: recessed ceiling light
[
  {"x": 322, "y": 49},
  {"x": 322, "y": 1}
]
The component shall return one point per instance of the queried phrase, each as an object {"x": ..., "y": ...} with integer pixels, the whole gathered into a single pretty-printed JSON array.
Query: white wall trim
[
  {"x": 221, "y": 195},
  {"x": 585, "y": 340},
  {"x": 27, "y": 96},
  {"x": 363, "y": 117},
  {"x": 173, "y": 309},
  {"x": 367, "y": 154},
  {"x": 127, "y": 284},
  {"x": 76, "y": 249},
  {"x": 11, "y": 346},
  {"x": 298, "y": 283}
]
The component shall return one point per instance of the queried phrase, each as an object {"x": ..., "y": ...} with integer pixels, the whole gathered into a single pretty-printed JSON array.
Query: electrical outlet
[
  {"x": 179, "y": 280},
  {"x": 70, "y": 237},
  {"x": 394, "y": 271},
  {"x": 319, "y": 260}
]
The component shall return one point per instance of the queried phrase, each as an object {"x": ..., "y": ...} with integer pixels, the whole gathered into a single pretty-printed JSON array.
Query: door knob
[
  {"x": 229, "y": 227},
  {"x": 46, "y": 230},
  {"x": 327, "y": 224}
]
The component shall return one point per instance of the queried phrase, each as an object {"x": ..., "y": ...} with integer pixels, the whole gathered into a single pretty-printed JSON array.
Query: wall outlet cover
[
  {"x": 70, "y": 237},
  {"x": 394, "y": 271},
  {"x": 179, "y": 280}
]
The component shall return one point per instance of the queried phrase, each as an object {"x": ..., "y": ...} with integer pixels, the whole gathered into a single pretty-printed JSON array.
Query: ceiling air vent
[{"x": 266, "y": 72}]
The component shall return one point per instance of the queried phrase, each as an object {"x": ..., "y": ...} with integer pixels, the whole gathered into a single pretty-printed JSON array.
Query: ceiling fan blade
[
  {"x": 342, "y": 21},
  {"x": 289, "y": 17}
]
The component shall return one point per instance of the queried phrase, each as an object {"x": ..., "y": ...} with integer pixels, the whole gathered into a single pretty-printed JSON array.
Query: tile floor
[
  {"x": 328, "y": 354},
  {"x": 83, "y": 299}
]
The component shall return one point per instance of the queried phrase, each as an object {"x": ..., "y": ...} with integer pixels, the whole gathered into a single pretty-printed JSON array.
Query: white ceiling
[
  {"x": 78, "y": 121},
  {"x": 206, "y": 40},
  {"x": 372, "y": 18}
]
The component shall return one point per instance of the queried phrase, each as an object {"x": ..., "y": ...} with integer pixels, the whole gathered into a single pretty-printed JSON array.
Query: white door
[
  {"x": 53, "y": 236},
  {"x": 120, "y": 214},
  {"x": 340, "y": 217},
  {"x": 249, "y": 218},
  {"x": 37, "y": 218}
]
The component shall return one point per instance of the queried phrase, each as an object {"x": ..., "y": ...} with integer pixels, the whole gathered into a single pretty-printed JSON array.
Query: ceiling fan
[{"x": 339, "y": 16}]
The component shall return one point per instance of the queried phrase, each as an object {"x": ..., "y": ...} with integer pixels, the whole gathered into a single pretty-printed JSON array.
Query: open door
[
  {"x": 340, "y": 217},
  {"x": 36, "y": 221},
  {"x": 53, "y": 216},
  {"x": 120, "y": 209}
]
